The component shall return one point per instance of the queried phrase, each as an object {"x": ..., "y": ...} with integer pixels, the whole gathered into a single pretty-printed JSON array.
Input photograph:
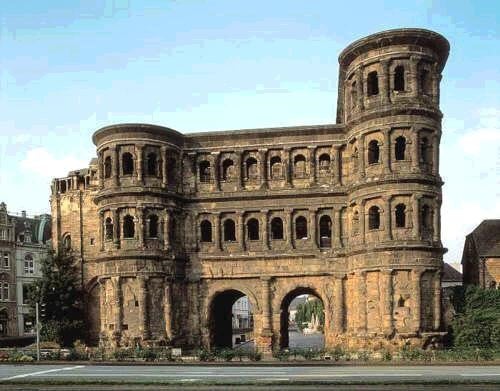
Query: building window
[
  {"x": 29, "y": 267},
  {"x": 28, "y": 324},
  {"x": 128, "y": 227},
  {"x": 372, "y": 83},
  {"x": 127, "y": 163},
  {"x": 206, "y": 231},
  {"x": 108, "y": 228},
  {"x": 400, "y": 148},
  {"x": 107, "y": 167},
  {"x": 252, "y": 169},
  {"x": 354, "y": 95},
  {"x": 399, "y": 78},
  {"x": 373, "y": 152},
  {"x": 325, "y": 231},
  {"x": 171, "y": 171},
  {"x": 276, "y": 170},
  {"x": 4, "y": 291},
  {"x": 153, "y": 226},
  {"x": 299, "y": 166},
  {"x": 425, "y": 217},
  {"x": 172, "y": 232},
  {"x": 355, "y": 222},
  {"x": 205, "y": 173},
  {"x": 253, "y": 229},
  {"x": 324, "y": 164},
  {"x": 425, "y": 151},
  {"x": 6, "y": 261},
  {"x": 229, "y": 231},
  {"x": 67, "y": 243},
  {"x": 227, "y": 170},
  {"x": 424, "y": 81},
  {"x": 276, "y": 228},
  {"x": 400, "y": 215},
  {"x": 374, "y": 217},
  {"x": 151, "y": 164},
  {"x": 26, "y": 293},
  {"x": 301, "y": 227}
]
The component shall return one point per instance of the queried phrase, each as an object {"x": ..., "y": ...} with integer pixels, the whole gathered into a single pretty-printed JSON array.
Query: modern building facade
[
  {"x": 24, "y": 242},
  {"x": 170, "y": 229}
]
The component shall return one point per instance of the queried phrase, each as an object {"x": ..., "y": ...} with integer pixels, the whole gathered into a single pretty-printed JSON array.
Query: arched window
[
  {"x": 424, "y": 81},
  {"x": 355, "y": 222},
  {"x": 299, "y": 166},
  {"x": 151, "y": 163},
  {"x": 425, "y": 151},
  {"x": 172, "y": 232},
  {"x": 107, "y": 167},
  {"x": 400, "y": 148},
  {"x": 228, "y": 170},
  {"x": 128, "y": 227},
  {"x": 127, "y": 164},
  {"x": 325, "y": 231},
  {"x": 372, "y": 83},
  {"x": 374, "y": 217},
  {"x": 399, "y": 78},
  {"x": 493, "y": 285},
  {"x": 276, "y": 228},
  {"x": 401, "y": 215},
  {"x": 153, "y": 226},
  {"x": 253, "y": 229},
  {"x": 229, "y": 231},
  {"x": 63, "y": 186},
  {"x": 324, "y": 164},
  {"x": 252, "y": 168},
  {"x": 67, "y": 243},
  {"x": 29, "y": 266},
  {"x": 108, "y": 228},
  {"x": 354, "y": 95},
  {"x": 205, "y": 171},
  {"x": 171, "y": 171},
  {"x": 301, "y": 227},
  {"x": 373, "y": 152},
  {"x": 276, "y": 171},
  {"x": 425, "y": 218},
  {"x": 206, "y": 231}
]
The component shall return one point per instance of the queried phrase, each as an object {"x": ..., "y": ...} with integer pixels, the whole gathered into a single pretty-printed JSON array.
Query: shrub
[
  {"x": 255, "y": 355},
  {"x": 363, "y": 355},
  {"x": 337, "y": 353},
  {"x": 386, "y": 355},
  {"x": 146, "y": 354},
  {"x": 226, "y": 354},
  {"x": 281, "y": 355},
  {"x": 121, "y": 354},
  {"x": 205, "y": 355}
]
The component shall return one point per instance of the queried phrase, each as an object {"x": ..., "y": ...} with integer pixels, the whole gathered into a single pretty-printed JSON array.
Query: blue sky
[{"x": 66, "y": 69}]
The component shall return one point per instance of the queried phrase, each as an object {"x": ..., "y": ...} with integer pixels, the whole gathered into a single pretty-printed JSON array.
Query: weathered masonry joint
[{"x": 170, "y": 228}]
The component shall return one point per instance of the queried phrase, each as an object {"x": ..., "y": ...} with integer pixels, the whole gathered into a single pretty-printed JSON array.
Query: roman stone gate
[{"x": 170, "y": 229}]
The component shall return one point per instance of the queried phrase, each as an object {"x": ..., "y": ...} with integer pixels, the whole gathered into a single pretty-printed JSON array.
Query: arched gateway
[{"x": 169, "y": 229}]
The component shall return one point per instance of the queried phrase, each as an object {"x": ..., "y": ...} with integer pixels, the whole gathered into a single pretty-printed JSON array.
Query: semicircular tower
[{"x": 389, "y": 102}]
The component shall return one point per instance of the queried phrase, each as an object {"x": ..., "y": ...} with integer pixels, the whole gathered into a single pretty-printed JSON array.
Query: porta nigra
[{"x": 169, "y": 229}]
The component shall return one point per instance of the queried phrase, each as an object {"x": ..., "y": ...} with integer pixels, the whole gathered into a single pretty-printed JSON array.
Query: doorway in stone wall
[
  {"x": 231, "y": 321},
  {"x": 302, "y": 320}
]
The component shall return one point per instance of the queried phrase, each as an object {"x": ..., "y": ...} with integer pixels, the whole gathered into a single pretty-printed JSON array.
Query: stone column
[
  {"x": 116, "y": 228},
  {"x": 312, "y": 165},
  {"x": 241, "y": 231},
  {"x": 384, "y": 81},
  {"x": 167, "y": 308},
  {"x": 143, "y": 306},
  {"x": 264, "y": 224},
  {"x": 437, "y": 221},
  {"x": 238, "y": 169},
  {"x": 216, "y": 170},
  {"x": 337, "y": 228},
  {"x": 435, "y": 155},
  {"x": 413, "y": 77},
  {"x": 139, "y": 149},
  {"x": 118, "y": 308},
  {"x": 415, "y": 166},
  {"x": 387, "y": 151},
  {"x": 265, "y": 283},
  {"x": 362, "y": 222},
  {"x": 416, "y": 297},
  {"x": 102, "y": 304},
  {"x": 336, "y": 173},
  {"x": 116, "y": 164},
  {"x": 312, "y": 225},
  {"x": 416, "y": 216},
  {"x": 361, "y": 151},
  {"x": 437, "y": 300},
  {"x": 164, "y": 174},
  {"x": 140, "y": 225},
  {"x": 100, "y": 170},
  {"x": 289, "y": 228},
  {"x": 286, "y": 165},
  {"x": 387, "y": 218},
  {"x": 166, "y": 230},
  {"x": 101, "y": 229},
  {"x": 338, "y": 305},
  {"x": 217, "y": 235},
  {"x": 387, "y": 300},
  {"x": 362, "y": 315},
  {"x": 263, "y": 168},
  {"x": 359, "y": 88}
]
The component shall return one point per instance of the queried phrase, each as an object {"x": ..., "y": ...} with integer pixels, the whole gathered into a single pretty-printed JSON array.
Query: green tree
[
  {"x": 305, "y": 311},
  {"x": 59, "y": 296},
  {"x": 477, "y": 323}
]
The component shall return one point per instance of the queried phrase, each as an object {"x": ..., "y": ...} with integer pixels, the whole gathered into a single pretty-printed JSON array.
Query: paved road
[{"x": 248, "y": 374}]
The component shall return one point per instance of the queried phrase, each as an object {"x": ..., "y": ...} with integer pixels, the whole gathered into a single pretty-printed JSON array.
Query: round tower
[
  {"x": 139, "y": 213},
  {"x": 389, "y": 103}
]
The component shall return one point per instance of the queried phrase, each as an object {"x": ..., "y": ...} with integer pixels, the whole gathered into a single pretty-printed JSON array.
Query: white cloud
[
  {"x": 485, "y": 135},
  {"x": 43, "y": 163}
]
